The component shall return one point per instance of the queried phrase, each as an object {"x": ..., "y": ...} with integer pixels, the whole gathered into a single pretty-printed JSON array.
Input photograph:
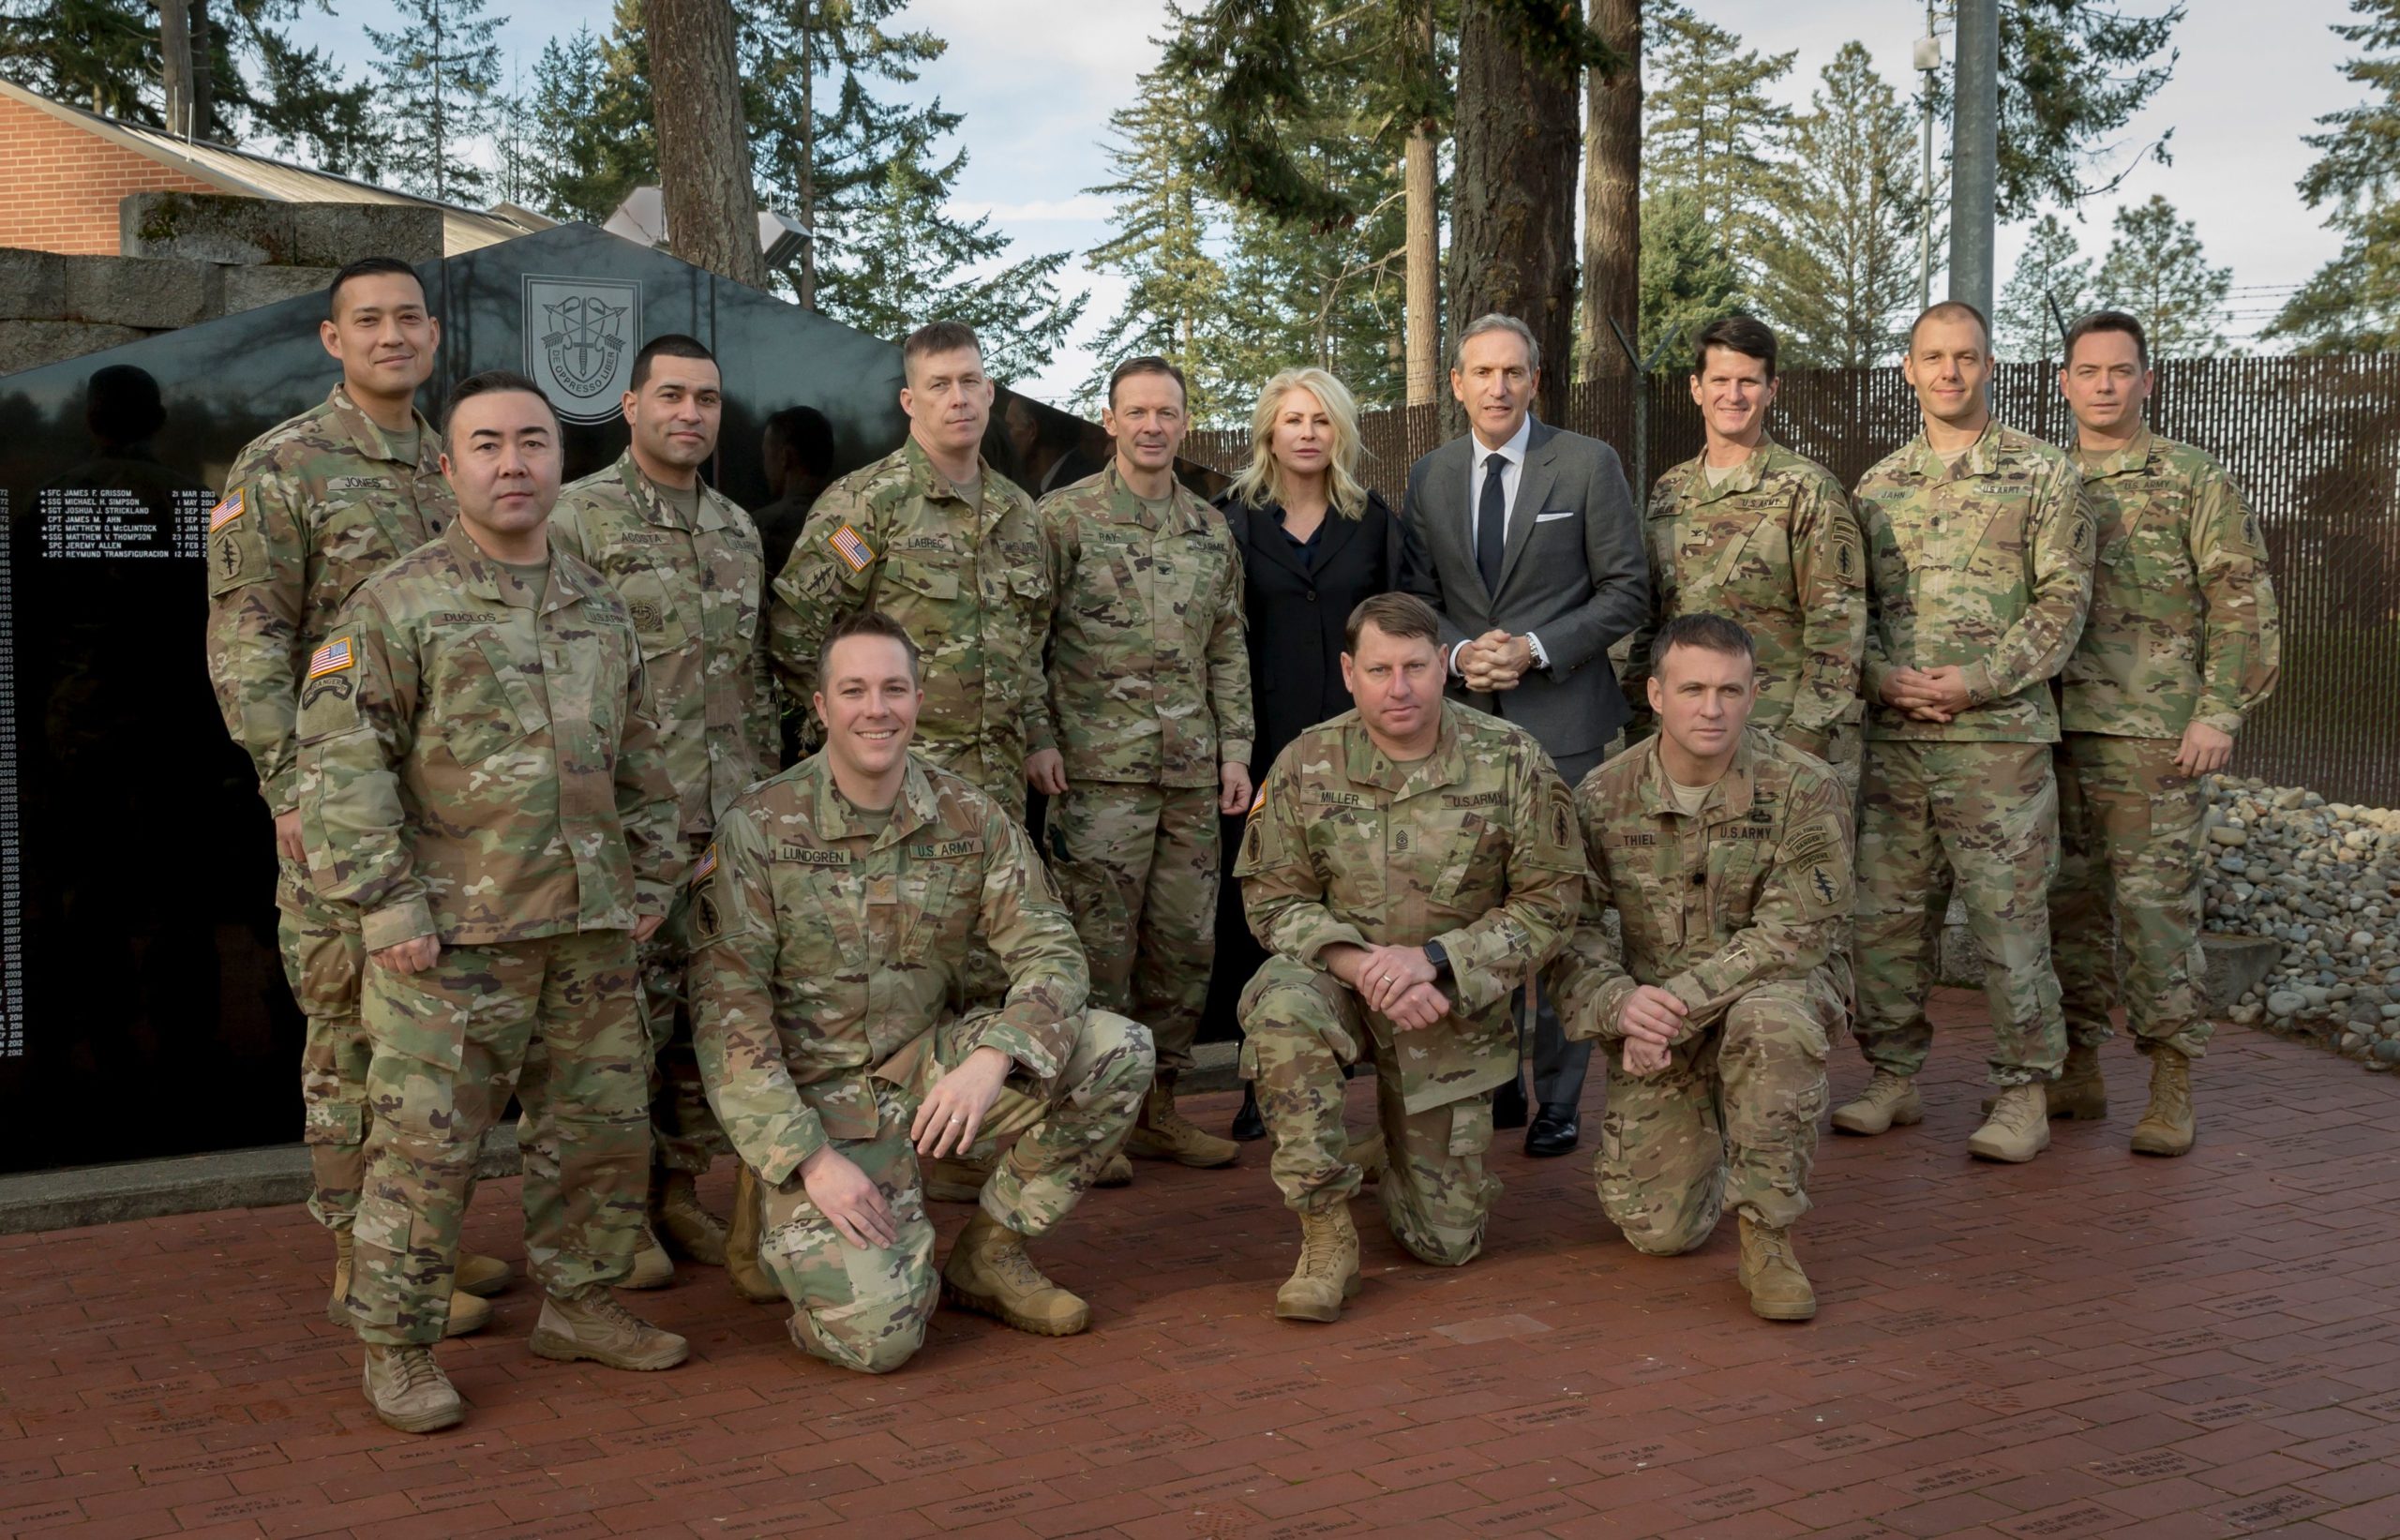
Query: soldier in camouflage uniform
[
  {"x": 934, "y": 537},
  {"x": 1406, "y": 864},
  {"x": 1149, "y": 694},
  {"x": 2182, "y": 646},
  {"x": 831, "y": 919},
  {"x": 1726, "y": 855},
  {"x": 312, "y": 508},
  {"x": 478, "y": 776},
  {"x": 686, "y": 561},
  {"x": 1750, "y": 531},
  {"x": 1979, "y": 562}
]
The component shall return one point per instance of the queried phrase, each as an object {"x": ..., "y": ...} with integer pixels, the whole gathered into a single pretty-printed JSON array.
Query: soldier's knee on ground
[
  {"x": 870, "y": 1337},
  {"x": 1429, "y": 1240},
  {"x": 1661, "y": 1233}
]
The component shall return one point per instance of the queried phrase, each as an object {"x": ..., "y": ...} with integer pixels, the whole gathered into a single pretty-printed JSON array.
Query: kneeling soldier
[
  {"x": 1406, "y": 864},
  {"x": 478, "y": 777},
  {"x": 1726, "y": 855},
  {"x": 833, "y": 924}
]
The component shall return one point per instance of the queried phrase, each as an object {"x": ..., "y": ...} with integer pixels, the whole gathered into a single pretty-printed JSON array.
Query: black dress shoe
[
  {"x": 1508, "y": 1105},
  {"x": 1553, "y": 1132},
  {"x": 1248, "y": 1125}
]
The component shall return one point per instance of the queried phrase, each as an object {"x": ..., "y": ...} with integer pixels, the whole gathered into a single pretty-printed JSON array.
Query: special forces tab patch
[{"x": 852, "y": 548}]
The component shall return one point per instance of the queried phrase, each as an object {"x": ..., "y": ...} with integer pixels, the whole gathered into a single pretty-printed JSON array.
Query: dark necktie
[{"x": 1492, "y": 524}]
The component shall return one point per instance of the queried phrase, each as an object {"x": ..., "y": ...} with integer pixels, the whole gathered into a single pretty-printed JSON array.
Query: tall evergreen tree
[
  {"x": 439, "y": 70},
  {"x": 2075, "y": 72},
  {"x": 1689, "y": 278},
  {"x": 2352, "y": 303},
  {"x": 2052, "y": 278},
  {"x": 1838, "y": 272},
  {"x": 1711, "y": 129},
  {"x": 2155, "y": 270},
  {"x": 591, "y": 130}
]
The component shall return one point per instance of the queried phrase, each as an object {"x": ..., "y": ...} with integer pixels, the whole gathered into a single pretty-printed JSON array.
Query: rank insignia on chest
[
  {"x": 852, "y": 548},
  {"x": 332, "y": 658},
  {"x": 225, "y": 511}
]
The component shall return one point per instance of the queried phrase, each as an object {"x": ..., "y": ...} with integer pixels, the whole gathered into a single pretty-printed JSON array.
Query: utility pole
[
  {"x": 1928, "y": 60},
  {"x": 1975, "y": 153}
]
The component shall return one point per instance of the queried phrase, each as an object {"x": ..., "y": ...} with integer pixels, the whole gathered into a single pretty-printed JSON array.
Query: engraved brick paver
[{"x": 2090, "y": 1345}]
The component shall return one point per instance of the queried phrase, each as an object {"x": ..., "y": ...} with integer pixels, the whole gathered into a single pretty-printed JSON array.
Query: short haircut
[
  {"x": 1708, "y": 632},
  {"x": 672, "y": 345},
  {"x": 808, "y": 434},
  {"x": 939, "y": 336},
  {"x": 1402, "y": 616},
  {"x": 2110, "y": 320},
  {"x": 866, "y": 622},
  {"x": 1745, "y": 335},
  {"x": 1147, "y": 363},
  {"x": 1496, "y": 321},
  {"x": 491, "y": 382},
  {"x": 1951, "y": 309},
  {"x": 367, "y": 267}
]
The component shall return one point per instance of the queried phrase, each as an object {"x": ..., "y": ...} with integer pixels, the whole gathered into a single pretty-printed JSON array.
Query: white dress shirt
[{"x": 1512, "y": 473}]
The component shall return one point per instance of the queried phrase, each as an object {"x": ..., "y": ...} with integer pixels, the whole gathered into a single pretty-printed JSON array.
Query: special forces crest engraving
[{"x": 580, "y": 337}]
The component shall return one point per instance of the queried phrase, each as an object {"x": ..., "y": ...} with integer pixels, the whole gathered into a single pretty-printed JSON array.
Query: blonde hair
[{"x": 1262, "y": 482}]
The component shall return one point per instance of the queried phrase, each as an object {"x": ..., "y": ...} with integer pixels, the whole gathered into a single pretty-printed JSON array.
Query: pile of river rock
[{"x": 2322, "y": 878}]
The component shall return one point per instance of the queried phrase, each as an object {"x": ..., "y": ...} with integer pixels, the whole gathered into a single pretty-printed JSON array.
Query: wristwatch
[{"x": 1439, "y": 958}]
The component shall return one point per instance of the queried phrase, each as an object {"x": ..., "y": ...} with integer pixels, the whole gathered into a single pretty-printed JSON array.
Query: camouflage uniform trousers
[
  {"x": 322, "y": 958},
  {"x": 1137, "y": 867},
  {"x": 866, "y": 1308},
  {"x": 1729, "y": 1122},
  {"x": 2129, "y": 884},
  {"x": 684, "y": 1132},
  {"x": 555, "y": 1021},
  {"x": 1984, "y": 816},
  {"x": 1300, "y": 1028}
]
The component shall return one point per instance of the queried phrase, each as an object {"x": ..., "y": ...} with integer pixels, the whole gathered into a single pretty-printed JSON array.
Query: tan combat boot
[
  {"x": 989, "y": 1272},
  {"x": 467, "y": 1313},
  {"x": 954, "y": 1178},
  {"x": 652, "y": 1267},
  {"x": 2167, "y": 1126},
  {"x": 1163, "y": 1133},
  {"x": 688, "y": 1230},
  {"x": 2079, "y": 1094},
  {"x": 752, "y": 1281},
  {"x": 1770, "y": 1270},
  {"x": 1889, "y": 1101},
  {"x": 480, "y": 1276},
  {"x": 595, "y": 1326},
  {"x": 1114, "y": 1172},
  {"x": 408, "y": 1389},
  {"x": 1328, "y": 1271},
  {"x": 2018, "y": 1127}
]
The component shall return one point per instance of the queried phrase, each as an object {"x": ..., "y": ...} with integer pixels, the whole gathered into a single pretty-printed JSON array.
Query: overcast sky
[{"x": 1037, "y": 80}]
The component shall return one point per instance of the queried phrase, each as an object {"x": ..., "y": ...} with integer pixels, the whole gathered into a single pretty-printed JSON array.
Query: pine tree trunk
[
  {"x": 703, "y": 143},
  {"x": 1421, "y": 188},
  {"x": 203, "y": 68},
  {"x": 1512, "y": 199},
  {"x": 1612, "y": 199},
  {"x": 175, "y": 61}
]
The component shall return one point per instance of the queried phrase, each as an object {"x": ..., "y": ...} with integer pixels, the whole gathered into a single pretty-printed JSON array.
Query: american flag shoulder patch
[
  {"x": 332, "y": 658},
  {"x": 701, "y": 868},
  {"x": 852, "y": 548},
  {"x": 225, "y": 511}
]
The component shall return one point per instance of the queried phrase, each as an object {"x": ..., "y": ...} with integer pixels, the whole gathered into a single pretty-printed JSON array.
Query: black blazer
[{"x": 1296, "y": 616}]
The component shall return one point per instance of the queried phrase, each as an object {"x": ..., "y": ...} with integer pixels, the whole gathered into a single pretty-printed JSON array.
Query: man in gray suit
[{"x": 1537, "y": 564}]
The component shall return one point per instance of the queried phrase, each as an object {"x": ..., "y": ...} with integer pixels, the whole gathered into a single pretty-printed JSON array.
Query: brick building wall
[{"x": 61, "y": 186}]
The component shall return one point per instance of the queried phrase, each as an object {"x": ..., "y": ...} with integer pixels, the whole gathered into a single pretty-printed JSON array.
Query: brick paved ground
[{"x": 2094, "y": 1345}]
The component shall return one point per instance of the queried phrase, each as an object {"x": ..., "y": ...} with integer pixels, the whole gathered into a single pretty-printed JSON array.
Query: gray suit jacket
[{"x": 1574, "y": 574}]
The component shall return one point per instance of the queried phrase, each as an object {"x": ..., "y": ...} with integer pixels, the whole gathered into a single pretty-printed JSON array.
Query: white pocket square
[{"x": 1557, "y": 512}]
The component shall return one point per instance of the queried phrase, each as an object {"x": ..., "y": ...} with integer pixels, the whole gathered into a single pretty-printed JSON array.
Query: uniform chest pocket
[
  {"x": 1734, "y": 854},
  {"x": 488, "y": 699},
  {"x": 1195, "y": 569},
  {"x": 1736, "y": 535},
  {"x": 1470, "y": 850},
  {"x": 926, "y": 590},
  {"x": 2149, "y": 543},
  {"x": 650, "y": 602},
  {"x": 937, "y": 897},
  {"x": 1957, "y": 538},
  {"x": 826, "y": 934}
]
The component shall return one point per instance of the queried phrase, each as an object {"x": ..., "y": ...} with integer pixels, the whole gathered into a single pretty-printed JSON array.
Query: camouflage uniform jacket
[
  {"x": 1773, "y": 546},
  {"x": 969, "y": 585},
  {"x": 1989, "y": 569},
  {"x": 1473, "y": 846},
  {"x": 475, "y": 770},
  {"x": 822, "y": 948},
  {"x": 313, "y": 507},
  {"x": 1149, "y": 676},
  {"x": 1752, "y": 890},
  {"x": 694, "y": 598},
  {"x": 2183, "y": 625}
]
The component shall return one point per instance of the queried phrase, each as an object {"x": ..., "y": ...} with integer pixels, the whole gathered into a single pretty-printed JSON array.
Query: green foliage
[
  {"x": 2052, "y": 271},
  {"x": 1838, "y": 272},
  {"x": 1709, "y": 129},
  {"x": 1688, "y": 278},
  {"x": 2156, "y": 271},
  {"x": 2073, "y": 73},
  {"x": 438, "y": 70},
  {"x": 592, "y": 142},
  {"x": 2352, "y": 303}
]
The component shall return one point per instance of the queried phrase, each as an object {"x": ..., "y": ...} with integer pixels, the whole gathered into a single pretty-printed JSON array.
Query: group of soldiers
[{"x": 521, "y": 744}]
